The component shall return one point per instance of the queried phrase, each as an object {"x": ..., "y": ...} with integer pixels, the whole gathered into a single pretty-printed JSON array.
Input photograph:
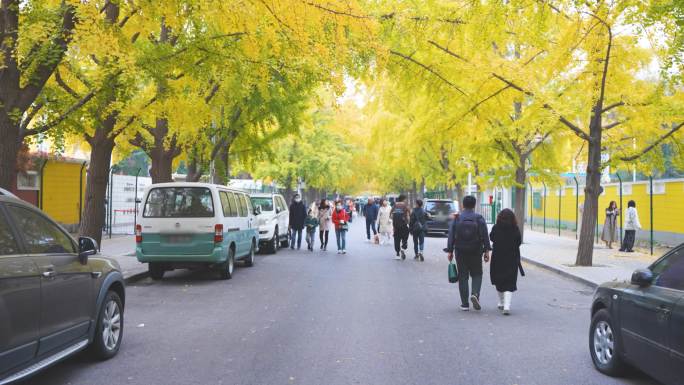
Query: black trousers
[
  {"x": 628, "y": 240},
  {"x": 324, "y": 237},
  {"x": 400, "y": 239}
]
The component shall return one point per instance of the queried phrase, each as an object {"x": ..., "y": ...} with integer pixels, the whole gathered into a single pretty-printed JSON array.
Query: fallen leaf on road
[{"x": 141, "y": 325}]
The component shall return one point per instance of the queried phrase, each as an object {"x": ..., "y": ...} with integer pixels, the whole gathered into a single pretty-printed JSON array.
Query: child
[{"x": 311, "y": 223}]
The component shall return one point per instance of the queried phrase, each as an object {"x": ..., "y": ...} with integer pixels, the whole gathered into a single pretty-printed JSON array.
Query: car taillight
[
  {"x": 218, "y": 233},
  {"x": 138, "y": 234}
]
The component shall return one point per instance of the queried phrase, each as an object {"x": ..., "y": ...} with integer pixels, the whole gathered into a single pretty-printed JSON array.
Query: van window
[
  {"x": 232, "y": 206},
  {"x": 179, "y": 202},
  {"x": 281, "y": 203},
  {"x": 248, "y": 204},
  {"x": 241, "y": 204},
  {"x": 224, "y": 203}
]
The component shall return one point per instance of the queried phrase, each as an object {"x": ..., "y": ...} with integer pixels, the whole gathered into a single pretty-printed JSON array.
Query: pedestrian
[
  {"x": 418, "y": 226},
  {"x": 349, "y": 206},
  {"x": 297, "y": 219},
  {"x": 385, "y": 221},
  {"x": 632, "y": 224},
  {"x": 314, "y": 208},
  {"x": 370, "y": 212},
  {"x": 340, "y": 218},
  {"x": 468, "y": 240},
  {"x": 506, "y": 240},
  {"x": 324, "y": 215},
  {"x": 311, "y": 223},
  {"x": 400, "y": 226},
  {"x": 610, "y": 224}
]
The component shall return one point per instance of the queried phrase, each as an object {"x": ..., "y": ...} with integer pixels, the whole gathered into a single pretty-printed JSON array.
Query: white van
[{"x": 185, "y": 225}]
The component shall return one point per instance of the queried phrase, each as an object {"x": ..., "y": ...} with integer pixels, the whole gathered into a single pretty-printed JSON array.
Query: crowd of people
[{"x": 469, "y": 243}]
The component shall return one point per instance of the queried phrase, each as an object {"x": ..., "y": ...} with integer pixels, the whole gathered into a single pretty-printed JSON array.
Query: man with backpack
[
  {"x": 468, "y": 239},
  {"x": 418, "y": 227},
  {"x": 400, "y": 221}
]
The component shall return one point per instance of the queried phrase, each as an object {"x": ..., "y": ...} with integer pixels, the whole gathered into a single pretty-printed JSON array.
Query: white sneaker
[
  {"x": 344, "y": 251},
  {"x": 397, "y": 258}
]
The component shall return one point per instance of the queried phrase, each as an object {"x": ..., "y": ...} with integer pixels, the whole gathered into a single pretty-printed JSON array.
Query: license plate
[{"x": 178, "y": 238}]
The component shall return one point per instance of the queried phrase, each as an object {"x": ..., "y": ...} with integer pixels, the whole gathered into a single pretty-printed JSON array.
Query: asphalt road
[{"x": 361, "y": 318}]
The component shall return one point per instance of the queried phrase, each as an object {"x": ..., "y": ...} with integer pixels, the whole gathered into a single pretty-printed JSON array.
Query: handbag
[
  {"x": 344, "y": 226},
  {"x": 453, "y": 273}
]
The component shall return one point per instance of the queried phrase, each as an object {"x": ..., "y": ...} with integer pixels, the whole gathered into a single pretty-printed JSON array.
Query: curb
[
  {"x": 136, "y": 277},
  {"x": 560, "y": 272}
]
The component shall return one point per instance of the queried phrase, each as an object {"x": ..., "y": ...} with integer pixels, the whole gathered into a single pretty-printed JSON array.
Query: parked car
[
  {"x": 441, "y": 212},
  {"x": 273, "y": 221},
  {"x": 641, "y": 323},
  {"x": 57, "y": 295},
  {"x": 190, "y": 225}
]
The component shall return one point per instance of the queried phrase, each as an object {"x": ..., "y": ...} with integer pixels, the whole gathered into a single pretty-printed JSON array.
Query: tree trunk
[
  {"x": 162, "y": 157},
  {"x": 9, "y": 149},
  {"x": 422, "y": 188},
  {"x": 93, "y": 217},
  {"x": 592, "y": 190},
  {"x": 519, "y": 203},
  {"x": 194, "y": 171}
]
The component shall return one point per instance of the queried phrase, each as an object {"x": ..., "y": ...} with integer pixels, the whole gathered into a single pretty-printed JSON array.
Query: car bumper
[
  {"x": 218, "y": 255},
  {"x": 266, "y": 233},
  {"x": 437, "y": 227}
]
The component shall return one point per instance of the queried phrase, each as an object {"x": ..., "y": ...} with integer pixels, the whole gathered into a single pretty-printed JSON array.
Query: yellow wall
[
  {"x": 668, "y": 207},
  {"x": 61, "y": 191}
]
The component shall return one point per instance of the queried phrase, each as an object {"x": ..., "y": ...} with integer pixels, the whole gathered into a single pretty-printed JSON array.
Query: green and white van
[{"x": 186, "y": 225}]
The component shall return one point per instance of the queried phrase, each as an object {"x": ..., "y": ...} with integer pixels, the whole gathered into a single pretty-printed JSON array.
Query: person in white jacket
[
  {"x": 385, "y": 222},
  {"x": 632, "y": 224}
]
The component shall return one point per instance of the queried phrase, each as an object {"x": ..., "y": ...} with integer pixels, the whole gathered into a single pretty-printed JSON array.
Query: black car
[
  {"x": 57, "y": 296},
  {"x": 441, "y": 213},
  {"x": 641, "y": 323}
]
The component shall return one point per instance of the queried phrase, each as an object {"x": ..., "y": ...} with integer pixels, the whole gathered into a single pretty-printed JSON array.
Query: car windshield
[
  {"x": 440, "y": 207},
  {"x": 266, "y": 203},
  {"x": 179, "y": 202}
]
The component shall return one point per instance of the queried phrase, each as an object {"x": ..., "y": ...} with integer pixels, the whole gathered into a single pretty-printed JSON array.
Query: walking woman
[
  {"x": 385, "y": 222},
  {"x": 506, "y": 240},
  {"x": 418, "y": 227},
  {"x": 610, "y": 224},
  {"x": 324, "y": 215},
  {"x": 340, "y": 218}
]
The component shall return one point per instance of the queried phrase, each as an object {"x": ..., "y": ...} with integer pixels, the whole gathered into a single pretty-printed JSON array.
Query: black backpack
[
  {"x": 417, "y": 226},
  {"x": 399, "y": 218},
  {"x": 468, "y": 236}
]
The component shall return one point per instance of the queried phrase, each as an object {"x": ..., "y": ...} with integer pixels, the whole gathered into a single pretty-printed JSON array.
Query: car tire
[
  {"x": 249, "y": 261},
  {"x": 156, "y": 270},
  {"x": 286, "y": 243},
  {"x": 226, "y": 268},
  {"x": 109, "y": 327},
  {"x": 274, "y": 243},
  {"x": 604, "y": 346}
]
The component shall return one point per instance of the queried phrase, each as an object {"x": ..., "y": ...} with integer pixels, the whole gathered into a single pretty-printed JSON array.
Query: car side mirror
[
  {"x": 257, "y": 210},
  {"x": 86, "y": 247},
  {"x": 642, "y": 277},
  {"x": 278, "y": 211}
]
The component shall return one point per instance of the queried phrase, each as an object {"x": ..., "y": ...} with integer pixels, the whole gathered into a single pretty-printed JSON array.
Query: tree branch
[
  {"x": 449, "y": 52},
  {"x": 59, "y": 119},
  {"x": 610, "y": 107},
  {"x": 612, "y": 125},
  {"x": 650, "y": 147},
  {"x": 65, "y": 87},
  {"x": 425, "y": 67}
]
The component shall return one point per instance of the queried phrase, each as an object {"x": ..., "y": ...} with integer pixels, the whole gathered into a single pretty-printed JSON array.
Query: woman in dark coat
[{"x": 506, "y": 240}]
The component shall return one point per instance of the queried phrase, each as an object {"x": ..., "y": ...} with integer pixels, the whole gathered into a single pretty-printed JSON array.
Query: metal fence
[{"x": 121, "y": 204}]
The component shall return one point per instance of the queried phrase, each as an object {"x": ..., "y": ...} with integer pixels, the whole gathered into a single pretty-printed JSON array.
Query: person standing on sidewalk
[
  {"x": 632, "y": 224},
  {"x": 400, "y": 221},
  {"x": 418, "y": 226},
  {"x": 506, "y": 240},
  {"x": 297, "y": 218},
  {"x": 385, "y": 222},
  {"x": 468, "y": 239},
  {"x": 370, "y": 211},
  {"x": 340, "y": 218},
  {"x": 311, "y": 223},
  {"x": 324, "y": 215},
  {"x": 610, "y": 224}
]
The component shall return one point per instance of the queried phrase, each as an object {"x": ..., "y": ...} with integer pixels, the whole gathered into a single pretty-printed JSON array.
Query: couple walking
[
  {"x": 340, "y": 218},
  {"x": 407, "y": 222},
  {"x": 469, "y": 242}
]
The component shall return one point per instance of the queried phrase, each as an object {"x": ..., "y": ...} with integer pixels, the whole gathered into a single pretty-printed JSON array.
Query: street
[{"x": 301, "y": 317}]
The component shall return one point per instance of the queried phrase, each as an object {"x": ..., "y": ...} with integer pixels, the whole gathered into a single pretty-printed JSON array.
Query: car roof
[
  {"x": 263, "y": 195},
  {"x": 194, "y": 184},
  {"x": 439, "y": 200},
  {"x": 14, "y": 199},
  {"x": 4, "y": 192}
]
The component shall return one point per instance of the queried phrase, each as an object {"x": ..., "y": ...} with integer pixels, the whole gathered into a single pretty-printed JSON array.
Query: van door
[
  {"x": 19, "y": 301},
  {"x": 232, "y": 219},
  {"x": 244, "y": 224},
  {"x": 67, "y": 303},
  {"x": 179, "y": 220}
]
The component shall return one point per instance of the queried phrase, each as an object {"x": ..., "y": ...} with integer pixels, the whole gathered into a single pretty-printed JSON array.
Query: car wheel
[
  {"x": 249, "y": 261},
  {"x": 109, "y": 327},
  {"x": 226, "y": 268},
  {"x": 156, "y": 270},
  {"x": 604, "y": 346},
  {"x": 274, "y": 243},
  {"x": 286, "y": 243}
]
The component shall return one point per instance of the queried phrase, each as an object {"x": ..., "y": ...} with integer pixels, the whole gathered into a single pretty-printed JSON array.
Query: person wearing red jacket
[{"x": 340, "y": 218}]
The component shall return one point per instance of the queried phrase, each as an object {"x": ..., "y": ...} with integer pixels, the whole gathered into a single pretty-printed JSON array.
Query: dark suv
[
  {"x": 441, "y": 213},
  {"x": 57, "y": 296},
  {"x": 641, "y": 322}
]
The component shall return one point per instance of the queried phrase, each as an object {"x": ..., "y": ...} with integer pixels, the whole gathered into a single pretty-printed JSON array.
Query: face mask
[
  {"x": 298, "y": 200},
  {"x": 339, "y": 207}
]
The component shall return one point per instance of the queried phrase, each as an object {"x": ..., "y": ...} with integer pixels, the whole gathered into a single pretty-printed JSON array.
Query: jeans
[
  {"x": 419, "y": 242},
  {"x": 370, "y": 225},
  {"x": 628, "y": 240},
  {"x": 341, "y": 236},
  {"x": 310, "y": 238},
  {"x": 400, "y": 239},
  {"x": 469, "y": 265},
  {"x": 324, "y": 238},
  {"x": 296, "y": 233}
]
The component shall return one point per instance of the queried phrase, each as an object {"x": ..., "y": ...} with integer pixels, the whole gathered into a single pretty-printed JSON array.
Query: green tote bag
[{"x": 453, "y": 273}]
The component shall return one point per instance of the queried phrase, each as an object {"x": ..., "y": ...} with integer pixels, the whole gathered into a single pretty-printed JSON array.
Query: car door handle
[{"x": 665, "y": 310}]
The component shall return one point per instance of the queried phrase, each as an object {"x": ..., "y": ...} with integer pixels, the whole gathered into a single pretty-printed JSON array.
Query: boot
[
  {"x": 501, "y": 300},
  {"x": 507, "y": 302}
]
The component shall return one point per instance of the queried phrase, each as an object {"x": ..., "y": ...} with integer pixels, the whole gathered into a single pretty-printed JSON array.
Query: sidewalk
[
  {"x": 122, "y": 249},
  {"x": 559, "y": 253}
]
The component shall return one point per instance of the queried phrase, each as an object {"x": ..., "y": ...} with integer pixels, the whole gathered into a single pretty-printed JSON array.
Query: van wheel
[
  {"x": 226, "y": 268},
  {"x": 249, "y": 261},
  {"x": 603, "y": 345},
  {"x": 156, "y": 270},
  {"x": 274, "y": 243},
  {"x": 109, "y": 328}
]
